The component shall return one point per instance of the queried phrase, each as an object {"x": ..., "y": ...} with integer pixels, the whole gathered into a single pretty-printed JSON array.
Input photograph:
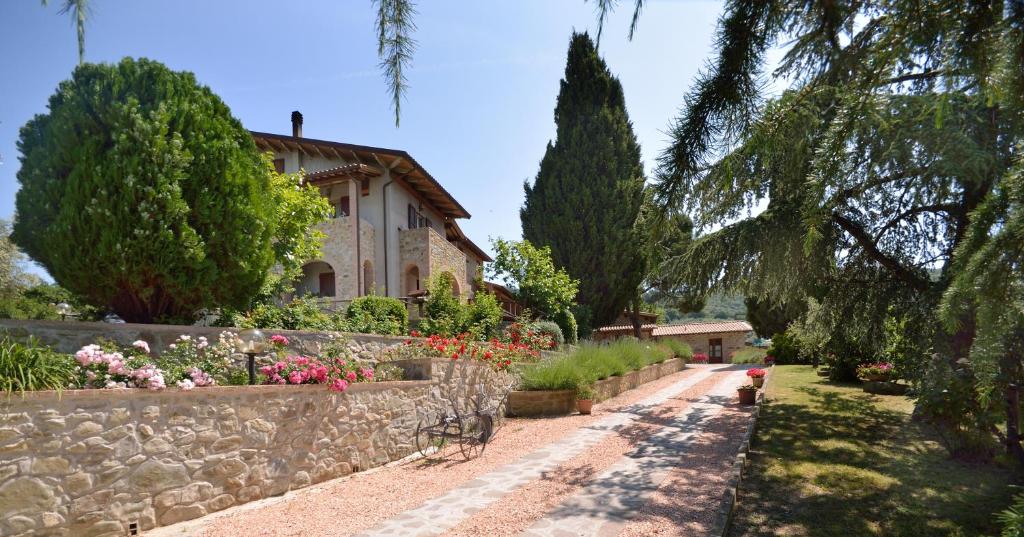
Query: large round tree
[
  {"x": 588, "y": 193},
  {"x": 142, "y": 193}
]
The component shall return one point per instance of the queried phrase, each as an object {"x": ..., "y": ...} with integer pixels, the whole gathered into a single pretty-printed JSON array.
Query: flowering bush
[
  {"x": 497, "y": 354},
  {"x": 700, "y": 358},
  {"x": 336, "y": 372},
  {"x": 879, "y": 371},
  {"x": 105, "y": 366},
  {"x": 528, "y": 336},
  {"x": 769, "y": 359},
  {"x": 755, "y": 373}
]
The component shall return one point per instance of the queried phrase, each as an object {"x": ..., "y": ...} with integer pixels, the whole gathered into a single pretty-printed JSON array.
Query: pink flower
[
  {"x": 367, "y": 373},
  {"x": 295, "y": 377},
  {"x": 351, "y": 376},
  {"x": 141, "y": 344},
  {"x": 339, "y": 385},
  {"x": 277, "y": 339},
  {"x": 186, "y": 384}
]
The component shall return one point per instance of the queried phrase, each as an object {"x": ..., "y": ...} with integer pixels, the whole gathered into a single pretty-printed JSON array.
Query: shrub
[
  {"x": 557, "y": 374},
  {"x": 32, "y": 366},
  {"x": 592, "y": 362},
  {"x": 567, "y": 322},
  {"x": 522, "y": 332},
  {"x": 785, "y": 349},
  {"x": 377, "y": 315},
  {"x": 551, "y": 330},
  {"x": 168, "y": 190},
  {"x": 498, "y": 355},
  {"x": 444, "y": 315},
  {"x": 483, "y": 316},
  {"x": 679, "y": 348},
  {"x": 1012, "y": 518},
  {"x": 302, "y": 313}
]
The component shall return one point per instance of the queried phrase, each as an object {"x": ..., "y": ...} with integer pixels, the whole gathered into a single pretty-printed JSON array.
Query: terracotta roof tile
[
  {"x": 621, "y": 327},
  {"x": 702, "y": 328}
]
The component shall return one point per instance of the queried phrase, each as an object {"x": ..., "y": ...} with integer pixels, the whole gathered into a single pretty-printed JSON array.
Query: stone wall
[
  {"x": 432, "y": 254},
  {"x": 731, "y": 342},
  {"x": 92, "y": 462},
  {"x": 339, "y": 251},
  {"x": 69, "y": 336}
]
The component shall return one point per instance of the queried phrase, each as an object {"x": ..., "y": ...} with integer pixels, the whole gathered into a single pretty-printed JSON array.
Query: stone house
[
  {"x": 718, "y": 339},
  {"x": 393, "y": 225}
]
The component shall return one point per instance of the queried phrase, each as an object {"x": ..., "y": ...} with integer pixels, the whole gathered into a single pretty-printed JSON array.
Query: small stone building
[{"x": 718, "y": 339}]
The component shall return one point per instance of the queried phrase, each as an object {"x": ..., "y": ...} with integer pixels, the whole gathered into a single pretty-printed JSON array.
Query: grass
[
  {"x": 749, "y": 355},
  {"x": 591, "y": 362},
  {"x": 679, "y": 348},
  {"x": 31, "y": 366},
  {"x": 831, "y": 460}
]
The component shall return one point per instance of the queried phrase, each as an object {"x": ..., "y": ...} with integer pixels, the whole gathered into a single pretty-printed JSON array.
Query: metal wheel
[
  {"x": 499, "y": 415},
  {"x": 432, "y": 438},
  {"x": 472, "y": 439}
]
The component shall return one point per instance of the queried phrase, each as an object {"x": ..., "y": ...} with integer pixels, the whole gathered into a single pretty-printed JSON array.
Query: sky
[{"x": 482, "y": 87}]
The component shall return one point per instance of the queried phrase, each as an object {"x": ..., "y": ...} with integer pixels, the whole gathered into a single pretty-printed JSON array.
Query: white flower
[
  {"x": 141, "y": 344},
  {"x": 186, "y": 384}
]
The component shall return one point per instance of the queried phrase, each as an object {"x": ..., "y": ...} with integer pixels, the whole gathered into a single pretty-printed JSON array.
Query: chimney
[{"x": 296, "y": 124}]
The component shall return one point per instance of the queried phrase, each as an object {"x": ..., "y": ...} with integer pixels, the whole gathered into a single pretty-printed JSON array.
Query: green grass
[
  {"x": 679, "y": 348},
  {"x": 749, "y": 355},
  {"x": 831, "y": 460},
  {"x": 31, "y": 366},
  {"x": 591, "y": 362}
]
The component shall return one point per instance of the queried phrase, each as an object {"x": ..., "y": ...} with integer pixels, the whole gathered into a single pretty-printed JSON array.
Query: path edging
[{"x": 728, "y": 503}]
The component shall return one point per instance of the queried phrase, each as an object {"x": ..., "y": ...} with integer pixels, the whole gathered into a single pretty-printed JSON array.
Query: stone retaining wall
[
  {"x": 92, "y": 462},
  {"x": 562, "y": 402},
  {"x": 69, "y": 336}
]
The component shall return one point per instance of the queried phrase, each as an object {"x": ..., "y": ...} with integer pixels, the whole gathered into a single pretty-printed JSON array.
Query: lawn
[{"x": 832, "y": 460}]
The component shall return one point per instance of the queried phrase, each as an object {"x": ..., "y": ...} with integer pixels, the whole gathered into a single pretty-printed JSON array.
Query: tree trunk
[{"x": 635, "y": 314}]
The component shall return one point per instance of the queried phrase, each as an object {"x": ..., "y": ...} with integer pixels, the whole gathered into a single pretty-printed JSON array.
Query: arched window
[
  {"x": 412, "y": 279},
  {"x": 455, "y": 287},
  {"x": 367, "y": 278}
]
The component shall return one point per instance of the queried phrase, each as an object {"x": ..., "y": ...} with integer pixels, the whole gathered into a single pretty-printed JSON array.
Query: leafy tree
[
  {"x": 899, "y": 121},
  {"x": 528, "y": 271},
  {"x": 443, "y": 314},
  {"x": 483, "y": 315},
  {"x": 12, "y": 278},
  {"x": 589, "y": 190},
  {"x": 140, "y": 192},
  {"x": 770, "y": 318}
]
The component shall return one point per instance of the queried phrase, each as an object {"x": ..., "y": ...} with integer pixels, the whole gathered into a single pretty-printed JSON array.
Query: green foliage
[
  {"x": 585, "y": 208},
  {"x": 167, "y": 189},
  {"x": 377, "y": 315},
  {"x": 769, "y": 318},
  {"x": 32, "y": 366},
  {"x": 483, "y": 316},
  {"x": 749, "y": 355},
  {"x": 786, "y": 349},
  {"x": 679, "y": 348},
  {"x": 551, "y": 329},
  {"x": 531, "y": 275},
  {"x": 40, "y": 302},
  {"x": 591, "y": 362},
  {"x": 1012, "y": 518},
  {"x": 444, "y": 315},
  {"x": 302, "y": 313},
  {"x": 566, "y": 322}
]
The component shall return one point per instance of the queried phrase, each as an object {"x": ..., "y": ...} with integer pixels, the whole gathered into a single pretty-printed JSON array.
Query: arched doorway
[
  {"x": 412, "y": 280},
  {"x": 317, "y": 279}
]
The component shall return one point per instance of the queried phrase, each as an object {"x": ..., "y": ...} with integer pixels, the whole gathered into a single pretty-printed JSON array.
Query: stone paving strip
[
  {"x": 364, "y": 500},
  {"x": 446, "y": 511},
  {"x": 516, "y": 511},
  {"x": 612, "y": 498}
]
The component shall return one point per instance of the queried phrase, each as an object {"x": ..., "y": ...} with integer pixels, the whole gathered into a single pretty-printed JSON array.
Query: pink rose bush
[
  {"x": 104, "y": 366},
  {"x": 337, "y": 373},
  {"x": 699, "y": 358}
]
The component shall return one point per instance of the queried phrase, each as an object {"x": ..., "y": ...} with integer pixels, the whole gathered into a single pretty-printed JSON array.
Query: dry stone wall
[{"x": 92, "y": 462}]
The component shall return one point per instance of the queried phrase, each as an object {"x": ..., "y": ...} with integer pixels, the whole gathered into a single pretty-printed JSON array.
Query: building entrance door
[{"x": 715, "y": 351}]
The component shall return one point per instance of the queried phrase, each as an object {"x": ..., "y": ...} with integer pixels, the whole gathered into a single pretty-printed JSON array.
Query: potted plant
[
  {"x": 769, "y": 360},
  {"x": 756, "y": 376},
  {"x": 584, "y": 398},
  {"x": 876, "y": 372},
  {"x": 747, "y": 393}
]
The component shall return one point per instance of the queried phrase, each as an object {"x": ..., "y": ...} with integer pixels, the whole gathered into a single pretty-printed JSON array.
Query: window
[
  {"x": 341, "y": 207},
  {"x": 417, "y": 220},
  {"x": 326, "y": 284},
  {"x": 279, "y": 165}
]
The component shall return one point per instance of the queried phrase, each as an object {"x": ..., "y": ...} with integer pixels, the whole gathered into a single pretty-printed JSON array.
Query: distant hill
[{"x": 717, "y": 306}]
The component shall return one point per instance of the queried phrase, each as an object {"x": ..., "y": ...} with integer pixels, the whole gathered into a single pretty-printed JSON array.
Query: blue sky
[{"x": 482, "y": 86}]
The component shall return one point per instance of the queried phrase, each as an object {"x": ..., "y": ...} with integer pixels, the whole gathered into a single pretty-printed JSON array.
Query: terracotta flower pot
[
  {"x": 757, "y": 381},
  {"x": 584, "y": 405},
  {"x": 883, "y": 377},
  {"x": 747, "y": 397}
]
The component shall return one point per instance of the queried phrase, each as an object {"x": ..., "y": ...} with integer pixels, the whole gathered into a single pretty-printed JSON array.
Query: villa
[{"x": 393, "y": 225}]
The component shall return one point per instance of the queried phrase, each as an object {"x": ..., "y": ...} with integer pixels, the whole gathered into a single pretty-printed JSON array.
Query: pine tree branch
[
  {"x": 868, "y": 244},
  {"x": 395, "y": 46}
]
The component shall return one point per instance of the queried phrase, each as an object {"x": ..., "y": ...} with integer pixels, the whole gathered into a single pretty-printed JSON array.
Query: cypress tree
[{"x": 587, "y": 195}]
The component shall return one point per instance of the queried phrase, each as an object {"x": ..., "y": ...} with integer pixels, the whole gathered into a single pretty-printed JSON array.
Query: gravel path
[
  {"x": 361, "y": 501},
  {"x": 516, "y": 511}
]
